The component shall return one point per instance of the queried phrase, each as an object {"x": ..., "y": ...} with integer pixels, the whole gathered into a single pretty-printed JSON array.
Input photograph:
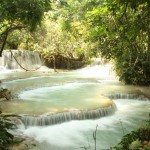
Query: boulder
[{"x": 5, "y": 94}]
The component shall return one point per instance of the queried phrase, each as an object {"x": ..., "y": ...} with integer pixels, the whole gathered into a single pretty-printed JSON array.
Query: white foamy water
[
  {"x": 99, "y": 71},
  {"x": 76, "y": 134},
  {"x": 86, "y": 84}
]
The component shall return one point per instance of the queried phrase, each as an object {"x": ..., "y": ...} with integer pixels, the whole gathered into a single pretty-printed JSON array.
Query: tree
[
  {"x": 73, "y": 23},
  {"x": 60, "y": 35},
  {"x": 143, "y": 17},
  {"x": 19, "y": 14},
  {"x": 121, "y": 29}
]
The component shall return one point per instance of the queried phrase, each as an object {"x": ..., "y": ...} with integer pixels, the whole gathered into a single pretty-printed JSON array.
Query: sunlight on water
[{"x": 99, "y": 71}]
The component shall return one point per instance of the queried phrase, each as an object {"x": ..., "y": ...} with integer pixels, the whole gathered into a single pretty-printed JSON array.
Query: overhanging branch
[
  {"x": 4, "y": 35},
  {"x": 124, "y": 12}
]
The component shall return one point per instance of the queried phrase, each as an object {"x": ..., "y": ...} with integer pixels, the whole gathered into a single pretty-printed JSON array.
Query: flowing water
[
  {"x": 15, "y": 59},
  {"x": 76, "y": 134},
  {"x": 61, "y": 110},
  {"x": 39, "y": 94}
]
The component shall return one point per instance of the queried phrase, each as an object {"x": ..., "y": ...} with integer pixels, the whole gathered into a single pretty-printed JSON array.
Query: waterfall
[
  {"x": 27, "y": 59},
  {"x": 126, "y": 96},
  {"x": 56, "y": 118},
  {"x": 2, "y": 68}
]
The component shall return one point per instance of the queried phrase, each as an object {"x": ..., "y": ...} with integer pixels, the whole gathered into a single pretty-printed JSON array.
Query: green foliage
[
  {"x": 72, "y": 21},
  {"x": 57, "y": 45},
  {"x": 6, "y": 138},
  {"x": 19, "y": 14},
  {"x": 121, "y": 30},
  {"x": 14, "y": 40},
  {"x": 135, "y": 140},
  {"x": 133, "y": 69},
  {"x": 27, "y": 12}
]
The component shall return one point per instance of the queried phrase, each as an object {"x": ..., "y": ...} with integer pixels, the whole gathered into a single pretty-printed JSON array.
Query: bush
[
  {"x": 134, "y": 71},
  {"x": 136, "y": 140}
]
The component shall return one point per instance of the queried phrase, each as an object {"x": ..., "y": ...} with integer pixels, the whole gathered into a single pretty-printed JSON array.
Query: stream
[{"x": 38, "y": 94}]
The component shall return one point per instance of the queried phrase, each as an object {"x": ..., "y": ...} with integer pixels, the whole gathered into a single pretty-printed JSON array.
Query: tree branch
[
  {"x": 125, "y": 9},
  {"x": 4, "y": 35}
]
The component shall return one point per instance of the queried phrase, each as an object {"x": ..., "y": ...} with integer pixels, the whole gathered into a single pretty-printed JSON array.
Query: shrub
[{"x": 136, "y": 140}]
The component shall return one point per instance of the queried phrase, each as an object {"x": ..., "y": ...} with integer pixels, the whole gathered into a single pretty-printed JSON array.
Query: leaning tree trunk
[
  {"x": 3, "y": 42},
  {"x": 5, "y": 35},
  {"x": 148, "y": 30},
  {"x": 148, "y": 51}
]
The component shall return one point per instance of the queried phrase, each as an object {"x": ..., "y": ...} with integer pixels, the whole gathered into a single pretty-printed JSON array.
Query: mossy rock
[{"x": 4, "y": 93}]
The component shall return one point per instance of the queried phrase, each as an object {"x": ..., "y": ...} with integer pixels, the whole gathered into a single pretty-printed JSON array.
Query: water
[
  {"x": 35, "y": 93},
  {"x": 76, "y": 134},
  {"x": 28, "y": 60},
  {"x": 57, "y": 118},
  {"x": 69, "y": 90}
]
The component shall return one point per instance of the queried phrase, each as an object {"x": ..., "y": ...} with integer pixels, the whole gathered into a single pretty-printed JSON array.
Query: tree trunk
[
  {"x": 148, "y": 31},
  {"x": 54, "y": 63},
  {"x": 5, "y": 34},
  {"x": 4, "y": 42},
  {"x": 148, "y": 51}
]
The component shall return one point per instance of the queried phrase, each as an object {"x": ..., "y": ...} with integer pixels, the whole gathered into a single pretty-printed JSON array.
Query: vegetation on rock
[
  {"x": 5, "y": 93},
  {"x": 7, "y": 139}
]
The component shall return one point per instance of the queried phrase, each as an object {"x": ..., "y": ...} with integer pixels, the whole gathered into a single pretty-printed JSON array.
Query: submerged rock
[{"x": 5, "y": 94}]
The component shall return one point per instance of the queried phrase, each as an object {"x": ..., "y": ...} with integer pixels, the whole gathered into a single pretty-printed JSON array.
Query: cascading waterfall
[
  {"x": 130, "y": 115},
  {"x": 27, "y": 59},
  {"x": 126, "y": 96},
  {"x": 61, "y": 117},
  {"x": 66, "y": 99},
  {"x": 55, "y": 118},
  {"x": 2, "y": 68}
]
